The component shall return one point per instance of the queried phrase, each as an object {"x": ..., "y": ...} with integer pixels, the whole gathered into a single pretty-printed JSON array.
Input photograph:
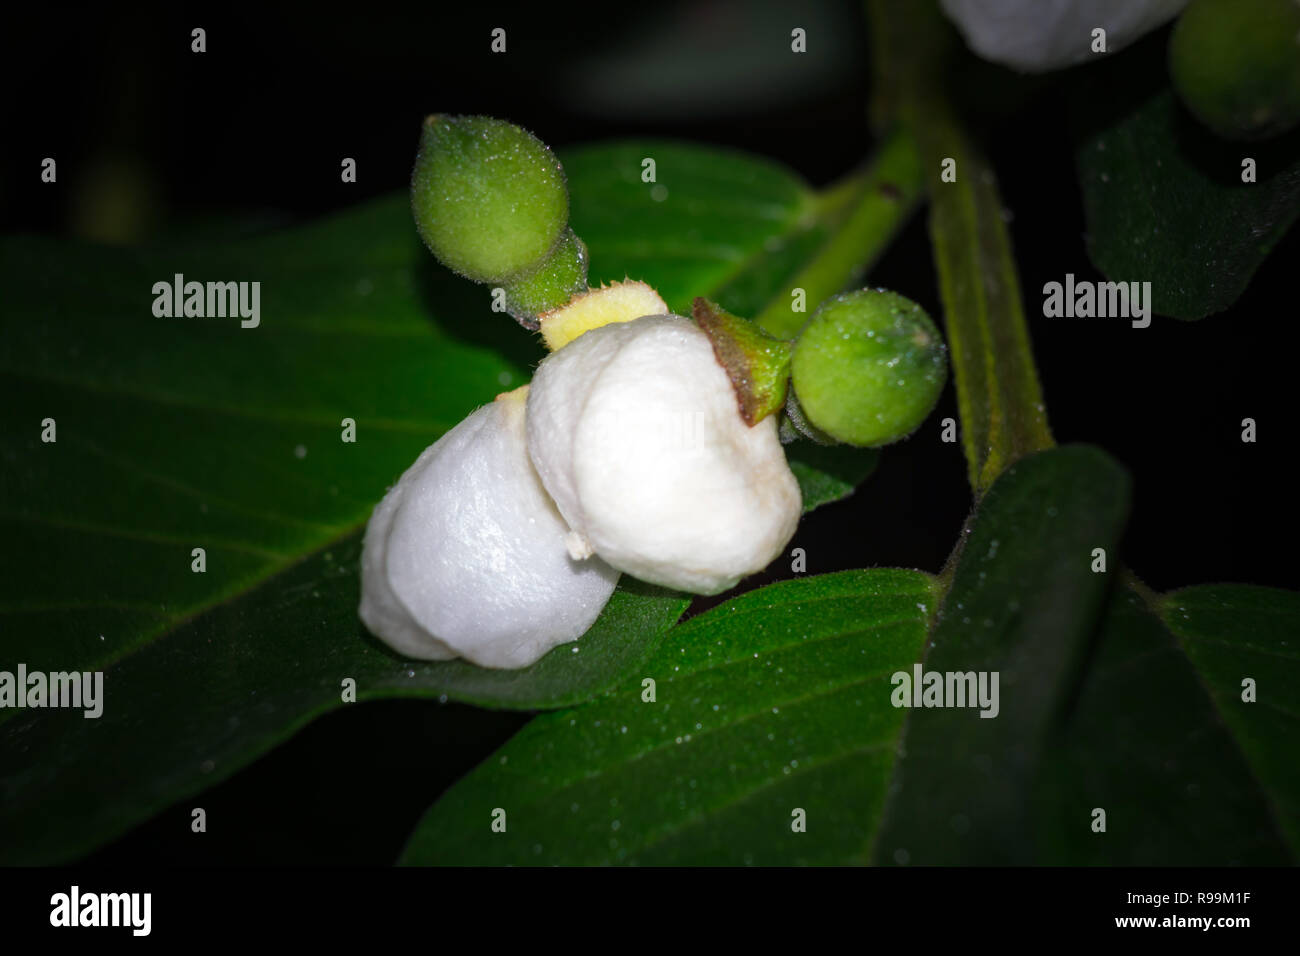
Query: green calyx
[
  {"x": 795, "y": 424},
  {"x": 489, "y": 198},
  {"x": 868, "y": 367},
  {"x": 757, "y": 364},
  {"x": 561, "y": 276},
  {"x": 1236, "y": 65}
]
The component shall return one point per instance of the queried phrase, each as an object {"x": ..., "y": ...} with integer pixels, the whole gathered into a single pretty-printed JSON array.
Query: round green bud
[
  {"x": 1236, "y": 65},
  {"x": 489, "y": 198},
  {"x": 561, "y": 276},
  {"x": 868, "y": 367}
]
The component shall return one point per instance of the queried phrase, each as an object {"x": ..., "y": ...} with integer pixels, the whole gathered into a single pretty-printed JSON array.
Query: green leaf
[
  {"x": 777, "y": 700},
  {"x": 828, "y": 473},
  {"x": 1185, "y": 777},
  {"x": 1002, "y": 413},
  {"x": 1165, "y": 202},
  {"x": 1022, "y": 604},
  {"x": 708, "y": 218},
  {"x": 1234, "y": 631},
  {"x": 180, "y": 433},
  {"x": 185, "y": 712}
]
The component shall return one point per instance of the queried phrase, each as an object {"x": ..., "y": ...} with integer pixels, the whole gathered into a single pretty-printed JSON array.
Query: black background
[{"x": 249, "y": 135}]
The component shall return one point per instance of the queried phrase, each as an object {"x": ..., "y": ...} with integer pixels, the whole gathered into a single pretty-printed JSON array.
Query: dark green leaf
[
  {"x": 774, "y": 702},
  {"x": 829, "y": 473},
  {"x": 1022, "y": 604},
  {"x": 709, "y": 217},
  {"x": 689, "y": 237},
  {"x": 1235, "y": 631},
  {"x": 1185, "y": 777},
  {"x": 1165, "y": 202},
  {"x": 185, "y": 712}
]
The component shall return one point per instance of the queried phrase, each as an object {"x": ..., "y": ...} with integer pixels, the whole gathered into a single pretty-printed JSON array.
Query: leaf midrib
[
  {"x": 168, "y": 400},
  {"x": 188, "y": 614},
  {"x": 1156, "y": 605}
]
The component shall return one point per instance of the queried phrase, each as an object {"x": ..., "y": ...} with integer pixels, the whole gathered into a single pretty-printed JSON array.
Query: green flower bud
[
  {"x": 489, "y": 198},
  {"x": 560, "y": 277},
  {"x": 868, "y": 367},
  {"x": 757, "y": 364},
  {"x": 1236, "y": 65}
]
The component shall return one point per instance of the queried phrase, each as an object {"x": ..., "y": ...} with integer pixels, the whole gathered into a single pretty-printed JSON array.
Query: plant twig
[
  {"x": 888, "y": 193},
  {"x": 998, "y": 394}
]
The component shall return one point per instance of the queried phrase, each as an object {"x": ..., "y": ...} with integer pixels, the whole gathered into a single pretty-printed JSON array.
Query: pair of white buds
[{"x": 626, "y": 454}]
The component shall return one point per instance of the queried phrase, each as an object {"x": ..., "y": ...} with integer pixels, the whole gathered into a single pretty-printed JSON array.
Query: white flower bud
[
  {"x": 636, "y": 432},
  {"x": 466, "y": 556},
  {"x": 1035, "y": 36}
]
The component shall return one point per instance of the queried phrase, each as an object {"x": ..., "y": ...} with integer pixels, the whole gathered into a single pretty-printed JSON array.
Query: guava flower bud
[
  {"x": 489, "y": 198},
  {"x": 465, "y": 556},
  {"x": 1035, "y": 36},
  {"x": 868, "y": 367},
  {"x": 1236, "y": 65},
  {"x": 636, "y": 433}
]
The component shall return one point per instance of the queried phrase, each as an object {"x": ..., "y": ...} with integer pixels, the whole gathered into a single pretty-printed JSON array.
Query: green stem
[
  {"x": 998, "y": 394},
  {"x": 885, "y": 198},
  {"x": 833, "y": 204}
]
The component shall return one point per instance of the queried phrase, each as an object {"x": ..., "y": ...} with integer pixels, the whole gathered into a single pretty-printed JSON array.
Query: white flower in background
[
  {"x": 466, "y": 557},
  {"x": 635, "y": 431},
  {"x": 1035, "y": 36}
]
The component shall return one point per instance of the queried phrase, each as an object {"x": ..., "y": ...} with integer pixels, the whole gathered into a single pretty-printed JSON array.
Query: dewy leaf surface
[
  {"x": 1238, "y": 632},
  {"x": 1022, "y": 605},
  {"x": 1166, "y": 204},
  {"x": 1159, "y": 739},
  {"x": 772, "y": 705},
  {"x": 233, "y": 682}
]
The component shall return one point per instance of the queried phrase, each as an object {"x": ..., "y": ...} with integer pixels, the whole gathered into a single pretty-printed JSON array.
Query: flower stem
[
  {"x": 886, "y": 196},
  {"x": 998, "y": 393}
]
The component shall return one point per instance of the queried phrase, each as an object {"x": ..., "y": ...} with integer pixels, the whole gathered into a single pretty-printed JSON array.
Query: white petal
[
  {"x": 476, "y": 552},
  {"x": 1035, "y": 36},
  {"x": 635, "y": 431}
]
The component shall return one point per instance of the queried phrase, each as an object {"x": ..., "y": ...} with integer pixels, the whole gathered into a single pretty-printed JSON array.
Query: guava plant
[{"x": 373, "y": 502}]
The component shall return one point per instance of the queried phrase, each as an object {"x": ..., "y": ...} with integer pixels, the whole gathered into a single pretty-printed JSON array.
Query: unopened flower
[
  {"x": 489, "y": 198},
  {"x": 1236, "y": 65},
  {"x": 465, "y": 556},
  {"x": 490, "y": 201},
  {"x": 635, "y": 430},
  {"x": 1035, "y": 36},
  {"x": 869, "y": 367}
]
